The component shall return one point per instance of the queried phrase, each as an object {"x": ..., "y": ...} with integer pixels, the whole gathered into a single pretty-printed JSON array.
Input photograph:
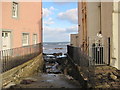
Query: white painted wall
[
  {"x": 116, "y": 35},
  {"x": 119, "y": 35},
  {"x": 80, "y": 29},
  {"x": 115, "y": 41},
  {"x": 119, "y": 40},
  {"x": 93, "y": 18}
]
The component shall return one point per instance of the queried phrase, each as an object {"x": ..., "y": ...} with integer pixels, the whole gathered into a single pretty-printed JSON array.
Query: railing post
[{"x": 109, "y": 51}]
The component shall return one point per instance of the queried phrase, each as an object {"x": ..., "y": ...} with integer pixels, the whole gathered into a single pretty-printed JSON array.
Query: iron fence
[
  {"x": 99, "y": 49},
  {"x": 86, "y": 63},
  {"x": 14, "y": 57}
]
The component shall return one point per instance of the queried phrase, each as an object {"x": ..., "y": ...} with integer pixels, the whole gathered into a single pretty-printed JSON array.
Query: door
[{"x": 6, "y": 40}]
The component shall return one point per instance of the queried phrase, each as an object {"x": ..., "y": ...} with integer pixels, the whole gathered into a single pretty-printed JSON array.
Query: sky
[{"x": 59, "y": 21}]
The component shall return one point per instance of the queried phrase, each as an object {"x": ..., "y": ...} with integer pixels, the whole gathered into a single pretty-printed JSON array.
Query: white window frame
[
  {"x": 35, "y": 40},
  {"x": 14, "y": 9},
  {"x": 27, "y": 42}
]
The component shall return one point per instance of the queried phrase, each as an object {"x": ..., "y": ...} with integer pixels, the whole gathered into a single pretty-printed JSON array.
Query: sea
[{"x": 55, "y": 47}]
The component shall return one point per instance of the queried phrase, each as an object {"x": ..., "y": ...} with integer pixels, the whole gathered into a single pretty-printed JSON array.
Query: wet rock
[
  {"x": 54, "y": 75},
  {"x": 57, "y": 54},
  {"x": 65, "y": 54},
  {"x": 69, "y": 77},
  {"x": 58, "y": 48},
  {"x": 62, "y": 87},
  {"x": 51, "y": 86}
]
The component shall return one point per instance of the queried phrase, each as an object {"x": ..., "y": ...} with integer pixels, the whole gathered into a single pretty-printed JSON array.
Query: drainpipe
[
  {"x": 109, "y": 51},
  {"x": 99, "y": 34}
]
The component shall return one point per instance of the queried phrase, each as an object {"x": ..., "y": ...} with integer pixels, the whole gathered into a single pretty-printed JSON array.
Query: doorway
[{"x": 6, "y": 40}]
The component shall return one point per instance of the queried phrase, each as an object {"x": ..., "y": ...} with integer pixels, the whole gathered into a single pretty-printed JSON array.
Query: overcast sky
[{"x": 59, "y": 21}]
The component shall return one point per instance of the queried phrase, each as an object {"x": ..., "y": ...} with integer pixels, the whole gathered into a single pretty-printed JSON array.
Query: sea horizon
[
  {"x": 55, "y": 47},
  {"x": 58, "y": 42}
]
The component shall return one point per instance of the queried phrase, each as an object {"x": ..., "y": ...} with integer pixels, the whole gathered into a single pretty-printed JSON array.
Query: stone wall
[{"x": 29, "y": 68}]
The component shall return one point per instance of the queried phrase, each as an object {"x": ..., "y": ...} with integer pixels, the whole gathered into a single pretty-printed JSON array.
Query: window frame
[
  {"x": 28, "y": 38},
  {"x": 16, "y": 11},
  {"x": 36, "y": 38}
]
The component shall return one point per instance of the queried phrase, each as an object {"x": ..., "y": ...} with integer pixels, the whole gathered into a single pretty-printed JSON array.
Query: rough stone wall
[{"x": 27, "y": 69}]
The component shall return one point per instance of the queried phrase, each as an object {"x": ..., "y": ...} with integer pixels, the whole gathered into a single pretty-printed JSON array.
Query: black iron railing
[
  {"x": 86, "y": 63},
  {"x": 14, "y": 57}
]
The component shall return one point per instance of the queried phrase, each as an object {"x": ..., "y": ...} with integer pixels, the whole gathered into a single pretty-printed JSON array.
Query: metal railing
[
  {"x": 14, "y": 57},
  {"x": 86, "y": 63},
  {"x": 98, "y": 53},
  {"x": 99, "y": 49}
]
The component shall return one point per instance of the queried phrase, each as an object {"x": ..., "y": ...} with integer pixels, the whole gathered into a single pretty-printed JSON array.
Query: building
[
  {"x": 98, "y": 31},
  {"x": 21, "y": 24}
]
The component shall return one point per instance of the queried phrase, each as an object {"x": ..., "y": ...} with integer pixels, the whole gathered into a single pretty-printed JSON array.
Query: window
[
  {"x": 4, "y": 34},
  {"x": 34, "y": 38},
  {"x": 15, "y": 10},
  {"x": 25, "y": 39}
]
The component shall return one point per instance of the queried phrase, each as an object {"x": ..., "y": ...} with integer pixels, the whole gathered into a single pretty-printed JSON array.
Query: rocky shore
[{"x": 54, "y": 63}]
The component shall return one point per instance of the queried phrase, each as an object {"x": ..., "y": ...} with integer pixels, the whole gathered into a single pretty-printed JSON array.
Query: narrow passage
[{"x": 53, "y": 76}]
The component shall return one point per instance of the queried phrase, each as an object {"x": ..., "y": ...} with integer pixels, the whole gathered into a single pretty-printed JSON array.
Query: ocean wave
[
  {"x": 63, "y": 44},
  {"x": 45, "y": 44}
]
